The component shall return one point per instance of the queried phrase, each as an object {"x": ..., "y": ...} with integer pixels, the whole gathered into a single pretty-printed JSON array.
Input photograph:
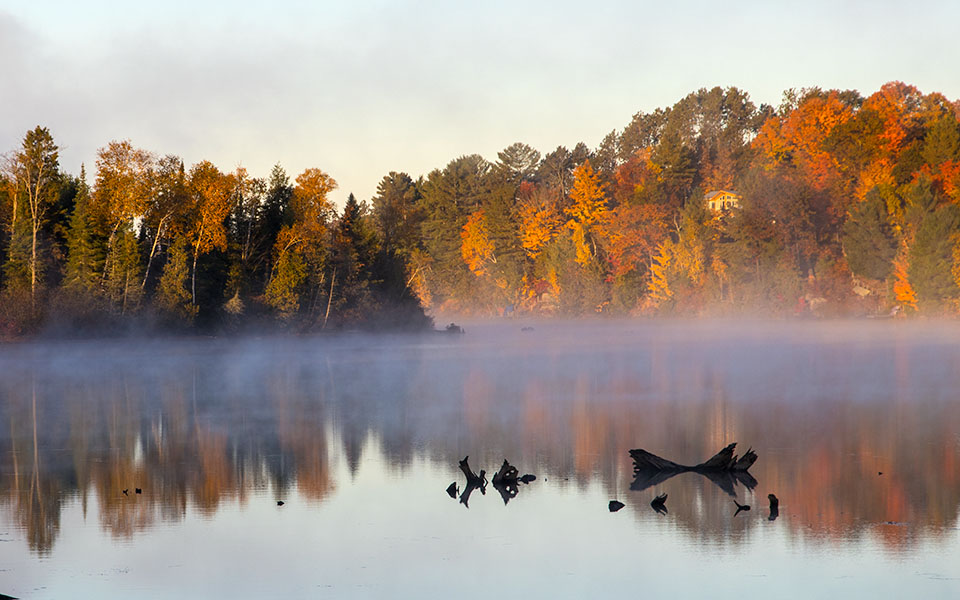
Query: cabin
[{"x": 721, "y": 200}]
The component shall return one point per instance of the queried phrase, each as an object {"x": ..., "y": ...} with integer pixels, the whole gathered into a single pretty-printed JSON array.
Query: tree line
[
  {"x": 153, "y": 244},
  {"x": 847, "y": 205}
]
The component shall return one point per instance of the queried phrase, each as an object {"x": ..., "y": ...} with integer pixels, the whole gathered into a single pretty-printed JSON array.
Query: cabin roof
[{"x": 712, "y": 195}]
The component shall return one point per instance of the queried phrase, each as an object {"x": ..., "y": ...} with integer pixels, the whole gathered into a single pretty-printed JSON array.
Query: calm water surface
[{"x": 857, "y": 427}]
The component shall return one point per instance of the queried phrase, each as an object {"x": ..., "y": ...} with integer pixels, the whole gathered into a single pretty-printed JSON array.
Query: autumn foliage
[{"x": 846, "y": 204}]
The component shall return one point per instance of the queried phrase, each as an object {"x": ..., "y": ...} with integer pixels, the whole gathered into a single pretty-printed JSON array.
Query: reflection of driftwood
[
  {"x": 508, "y": 490},
  {"x": 659, "y": 504},
  {"x": 465, "y": 495},
  {"x": 724, "y": 469}
]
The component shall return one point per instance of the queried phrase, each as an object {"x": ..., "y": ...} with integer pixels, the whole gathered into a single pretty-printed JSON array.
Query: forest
[{"x": 842, "y": 205}]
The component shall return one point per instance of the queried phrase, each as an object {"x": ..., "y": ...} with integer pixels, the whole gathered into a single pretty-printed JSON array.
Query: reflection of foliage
[{"x": 206, "y": 425}]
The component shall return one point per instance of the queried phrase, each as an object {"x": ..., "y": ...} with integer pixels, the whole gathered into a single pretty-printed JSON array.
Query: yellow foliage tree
[
  {"x": 124, "y": 187},
  {"x": 589, "y": 208},
  {"x": 676, "y": 264},
  {"x": 659, "y": 286},
  {"x": 283, "y": 290},
  {"x": 476, "y": 247},
  {"x": 298, "y": 252},
  {"x": 211, "y": 192}
]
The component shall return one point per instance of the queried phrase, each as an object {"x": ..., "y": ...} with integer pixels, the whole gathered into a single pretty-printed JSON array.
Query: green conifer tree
[
  {"x": 84, "y": 254},
  {"x": 173, "y": 296}
]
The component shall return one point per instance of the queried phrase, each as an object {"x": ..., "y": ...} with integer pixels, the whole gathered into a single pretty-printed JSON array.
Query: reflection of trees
[
  {"x": 35, "y": 498},
  {"x": 169, "y": 430},
  {"x": 199, "y": 423}
]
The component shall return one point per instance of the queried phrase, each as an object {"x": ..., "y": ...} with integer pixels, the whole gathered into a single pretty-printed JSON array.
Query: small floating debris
[
  {"x": 774, "y": 507},
  {"x": 615, "y": 505},
  {"x": 125, "y": 492},
  {"x": 526, "y": 329},
  {"x": 452, "y": 490},
  {"x": 280, "y": 503},
  {"x": 741, "y": 508},
  {"x": 138, "y": 491}
]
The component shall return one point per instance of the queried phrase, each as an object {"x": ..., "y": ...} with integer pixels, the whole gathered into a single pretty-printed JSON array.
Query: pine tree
[
  {"x": 84, "y": 256},
  {"x": 869, "y": 242}
]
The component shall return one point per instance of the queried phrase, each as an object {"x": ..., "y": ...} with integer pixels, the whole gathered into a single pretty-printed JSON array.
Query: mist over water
[{"x": 855, "y": 424}]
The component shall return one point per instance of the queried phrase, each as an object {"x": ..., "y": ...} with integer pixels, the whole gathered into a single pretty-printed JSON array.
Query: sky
[{"x": 362, "y": 88}]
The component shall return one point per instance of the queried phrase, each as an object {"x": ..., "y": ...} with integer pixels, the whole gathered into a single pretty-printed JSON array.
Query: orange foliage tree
[
  {"x": 798, "y": 138},
  {"x": 540, "y": 218},
  {"x": 631, "y": 233}
]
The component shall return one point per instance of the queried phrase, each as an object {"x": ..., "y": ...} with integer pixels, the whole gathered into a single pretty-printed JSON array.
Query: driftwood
[
  {"x": 472, "y": 478},
  {"x": 474, "y": 481},
  {"x": 725, "y": 460},
  {"x": 615, "y": 505},
  {"x": 507, "y": 480},
  {"x": 725, "y": 469},
  {"x": 507, "y": 474},
  {"x": 774, "y": 507}
]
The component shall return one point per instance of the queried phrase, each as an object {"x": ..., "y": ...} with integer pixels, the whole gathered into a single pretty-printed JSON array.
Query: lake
[{"x": 856, "y": 426}]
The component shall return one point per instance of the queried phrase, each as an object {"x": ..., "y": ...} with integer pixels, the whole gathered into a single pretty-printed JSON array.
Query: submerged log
[{"x": 724, "y": 468}]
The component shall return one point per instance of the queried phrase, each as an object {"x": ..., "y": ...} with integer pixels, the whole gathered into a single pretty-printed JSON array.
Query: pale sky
[{"x": 359, "y": 89}]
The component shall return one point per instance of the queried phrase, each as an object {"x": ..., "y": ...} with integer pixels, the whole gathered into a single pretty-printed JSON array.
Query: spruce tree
[{"x": 84, "y": 256}]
